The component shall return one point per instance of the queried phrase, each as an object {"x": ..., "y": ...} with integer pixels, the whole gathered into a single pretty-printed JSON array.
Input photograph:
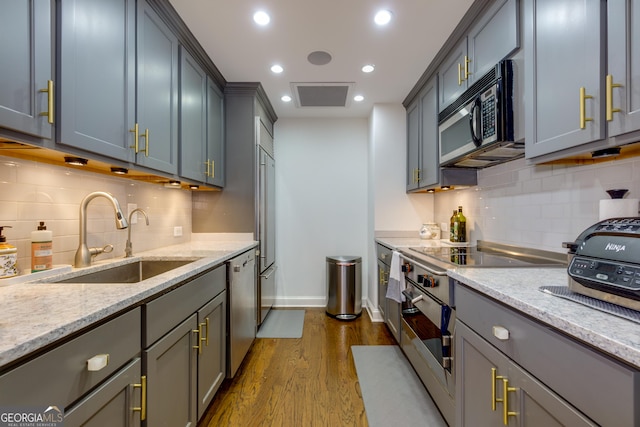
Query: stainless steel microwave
[{"x": 477, "y": 129}]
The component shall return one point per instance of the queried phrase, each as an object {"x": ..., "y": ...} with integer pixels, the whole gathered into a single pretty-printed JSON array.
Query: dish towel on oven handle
[{"x": 396, "y": 279}]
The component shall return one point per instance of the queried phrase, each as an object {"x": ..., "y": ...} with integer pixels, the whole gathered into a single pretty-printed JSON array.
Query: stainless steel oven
[
  {"x": 427, "y": 331},
  {"x": 428, "y": 324}
]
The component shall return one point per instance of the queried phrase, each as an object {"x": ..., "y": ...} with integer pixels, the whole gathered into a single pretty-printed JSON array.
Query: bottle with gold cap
[{"x": 8, "y": 257}]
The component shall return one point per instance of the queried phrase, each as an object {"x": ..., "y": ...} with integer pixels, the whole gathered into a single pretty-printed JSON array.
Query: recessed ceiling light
[
  {"x": 358, "y": 98},
  {"x": 277, "y": 69},
  {"x": 368, "y": 68},
  {"x": 261, "y": 18},
  {"x": 286, "y": 98},
  {"x": 382, "y": 17}
]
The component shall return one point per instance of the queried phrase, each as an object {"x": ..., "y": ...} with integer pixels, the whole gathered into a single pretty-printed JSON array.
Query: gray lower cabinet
[
  {"x": 184, "y": 354},
  {"x": 383, "y": 282},
  {"x": 26, "y": 105},
  {"x": 512, "y": 370},
  {"x": 115, "y": 403},
  {"x": 61, "y": 376}
]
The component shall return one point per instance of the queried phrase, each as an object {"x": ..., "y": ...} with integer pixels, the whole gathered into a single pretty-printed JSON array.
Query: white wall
[
  {"x": 321, "y": 200},
  {"x": 538, "y": 206},
  {"x": 31, "y": 192}
]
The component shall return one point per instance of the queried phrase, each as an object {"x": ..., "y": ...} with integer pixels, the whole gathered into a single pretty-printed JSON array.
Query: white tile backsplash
[
  {"x": 31, "y": 192},
  {"x": 537, "y": 206}
]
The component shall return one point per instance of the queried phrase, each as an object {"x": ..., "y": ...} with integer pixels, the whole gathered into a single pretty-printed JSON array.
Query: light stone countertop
[
  {"x": 37, "y": 314},
  {"x": 519, "y": 289}
]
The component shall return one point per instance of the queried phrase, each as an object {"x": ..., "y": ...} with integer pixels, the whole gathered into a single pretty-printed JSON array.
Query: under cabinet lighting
[
  {"x": 607, "y": 152},
  {"x": 172, "y": 184},
  {"x": 431, "y": 190},
  {"x": 194, "y": 186},
  {"x": 75, "y": 161},
  {"x": 119, "y": 171},
  {"x": 445, "y": 187}
]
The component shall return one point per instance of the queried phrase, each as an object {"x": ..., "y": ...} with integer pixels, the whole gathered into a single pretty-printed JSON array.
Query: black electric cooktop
[{"x": 488, "y": 257}]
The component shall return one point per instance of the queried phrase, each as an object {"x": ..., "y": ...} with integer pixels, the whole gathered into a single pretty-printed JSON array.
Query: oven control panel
[{"x": 606, "y": 275}]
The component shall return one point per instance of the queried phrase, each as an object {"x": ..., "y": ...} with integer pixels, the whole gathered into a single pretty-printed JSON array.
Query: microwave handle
[{"x": 475, "y": 122}]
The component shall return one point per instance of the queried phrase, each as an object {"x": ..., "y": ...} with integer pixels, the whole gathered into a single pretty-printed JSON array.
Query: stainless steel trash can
[{"x": 344, "y": 287}]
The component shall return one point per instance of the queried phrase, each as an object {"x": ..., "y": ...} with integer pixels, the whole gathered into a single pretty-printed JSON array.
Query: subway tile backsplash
[
  {"x": 31, "y": 192},
  {"x": 537, "y": 206}
]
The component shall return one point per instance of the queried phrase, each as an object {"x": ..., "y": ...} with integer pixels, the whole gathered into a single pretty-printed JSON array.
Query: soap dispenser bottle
[
  {"x": 8, "y": 257},
  {"x": 41, "y": 249}
]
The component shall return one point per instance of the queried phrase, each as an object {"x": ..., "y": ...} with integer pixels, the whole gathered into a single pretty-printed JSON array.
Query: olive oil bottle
[
  {"x": 460, "y": 226},
  {"x": 452, "y": 222}
]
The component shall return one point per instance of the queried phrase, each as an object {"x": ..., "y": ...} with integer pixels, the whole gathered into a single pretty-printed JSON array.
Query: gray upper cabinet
[
  {"x": 623, "y": 78},
  {"x": 193, "y": 117},
  {"x": 27, "y": 67},
  {"x": 564, "y": 68},
  {"x": 423, "y": 165},
  {"x": 157, "y": 93},
  {"x": 491, "y": 38},
  {"x": 97, "y": 76},
  {"x": 452, "y": 75},
  {"x": 215, "y": 135}
]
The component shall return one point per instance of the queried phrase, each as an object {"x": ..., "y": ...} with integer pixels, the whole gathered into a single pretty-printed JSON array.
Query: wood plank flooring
[{"x": 309, "y": 381}]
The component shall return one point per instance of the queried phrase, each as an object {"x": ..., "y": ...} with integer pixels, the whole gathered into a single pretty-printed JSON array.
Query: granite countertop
[
  {"x": 519, "y": 289},
  {"x": 38, "y": 313}
]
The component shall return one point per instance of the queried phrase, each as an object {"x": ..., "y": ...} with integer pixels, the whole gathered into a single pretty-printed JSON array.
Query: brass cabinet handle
[
  {"x": 505, "y": 404},
  {"x": 198, "y": 339},
  {"x": 610, "y": 86},
  {"x": 207, "y": 163},
  {"x": 49, "y": 92},
  {"x": 206, "y": 336},
  {"x": 143, "y": 398},
  {"x": 467, "y": 73},
  {"x": 417, "y": 175},
  {"x": 146, "y": 142},
  {"x": 583, "y": 98},
  {"x": 494, "y": 377},
  {"x": 136, "y": 138},
  {"x": 213, "y": 168},
  {"x": 459, "y": 74}
]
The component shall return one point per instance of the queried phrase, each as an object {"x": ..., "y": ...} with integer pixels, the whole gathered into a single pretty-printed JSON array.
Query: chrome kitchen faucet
[
  {"x": 128, "y": 250},
  {"x": 84, "y": 254}
]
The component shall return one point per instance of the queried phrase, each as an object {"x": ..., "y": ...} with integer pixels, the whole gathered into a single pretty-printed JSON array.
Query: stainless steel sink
[{"x": 128, "y": 273}]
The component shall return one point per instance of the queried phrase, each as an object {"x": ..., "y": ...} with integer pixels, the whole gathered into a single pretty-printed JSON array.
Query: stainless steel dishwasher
[{"x": 242, "y": 311}]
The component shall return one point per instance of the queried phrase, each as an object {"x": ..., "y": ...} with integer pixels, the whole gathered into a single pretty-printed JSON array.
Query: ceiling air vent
[{"x": 322, "y": 94}]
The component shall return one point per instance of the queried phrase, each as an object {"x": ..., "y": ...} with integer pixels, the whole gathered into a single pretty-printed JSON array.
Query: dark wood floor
[{"x": 309, "y": 381}]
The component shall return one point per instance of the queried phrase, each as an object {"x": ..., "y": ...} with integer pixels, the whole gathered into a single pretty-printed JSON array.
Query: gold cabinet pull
[
  {"x": 49, "y": 92},
  {"x": 459, "y": 74},
  {"x": 583, "y": 107},
  {"x": 206, "y": 335},
  {"x": 494, "y": 377},
  {"x": 213, "y": 168},
  {"x": 143, "y": 398},
  {"x": 198, "y": 339},
  {"x": 146, "y": 142},
  {"x": 505, "y": 410},
  {"x": 207, "y": 163},
  {"x": 418, "y": 175},
  {"x": 610, "y": 86},
  {"x": 467, "y": 73},
  {"x": 136, "y": 138}
]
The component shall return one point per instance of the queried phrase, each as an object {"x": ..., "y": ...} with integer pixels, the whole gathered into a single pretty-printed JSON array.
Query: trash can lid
[{"x": 344, "y": 258}]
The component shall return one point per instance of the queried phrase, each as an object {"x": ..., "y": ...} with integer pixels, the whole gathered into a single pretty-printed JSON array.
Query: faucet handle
[{"x": 97, "y": 251}]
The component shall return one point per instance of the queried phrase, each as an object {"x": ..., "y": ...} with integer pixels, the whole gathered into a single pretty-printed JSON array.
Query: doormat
[
  {"x": 282, "y": 324},
  {"x": 391, "y": 390}
]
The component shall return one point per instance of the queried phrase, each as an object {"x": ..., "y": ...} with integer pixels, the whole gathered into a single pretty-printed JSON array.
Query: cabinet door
[
  {"x": 429, "y": 153},
  {"x": 212, "y": 365},
  {"x": 493, "y": 38},
  {"x": 193, "y": 118},
  {"x": 215, "y": 134},
  {"x": 564, "y": 55},
  {"x": 113, "y": 403},
  {"x": 413, "y": 146},
  {"x": 26, "y": 66},
  {"x": 624, "y": 66},
  {"x": 171, "y": 366},
  {"x": 451, "y": 75},
  {"x": 97, "y": 76},
  {"x": 492, "y": 390},
  {"x": 157, "y": 92}
]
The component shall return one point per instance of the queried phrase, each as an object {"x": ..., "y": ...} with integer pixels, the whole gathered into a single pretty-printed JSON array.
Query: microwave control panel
[{"x": 488, "y": 116}]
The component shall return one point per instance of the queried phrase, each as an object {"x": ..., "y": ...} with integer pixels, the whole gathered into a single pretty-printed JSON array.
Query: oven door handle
[{"x": 429, "y": 269}]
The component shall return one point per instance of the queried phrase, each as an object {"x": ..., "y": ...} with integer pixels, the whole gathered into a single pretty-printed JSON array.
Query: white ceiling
[{"x": 401, "y": 51}]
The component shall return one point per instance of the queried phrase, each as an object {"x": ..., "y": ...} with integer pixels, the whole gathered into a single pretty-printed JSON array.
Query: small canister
[
  {"x": 8, "y": 257},
  {"x": 430, "y": 230}
]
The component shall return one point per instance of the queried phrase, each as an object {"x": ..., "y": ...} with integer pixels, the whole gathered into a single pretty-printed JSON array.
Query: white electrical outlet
[
  {"x": 177, "y": 231},
  {"x": 444, "y": 227},
  {"x": 130, "y": 208}
]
